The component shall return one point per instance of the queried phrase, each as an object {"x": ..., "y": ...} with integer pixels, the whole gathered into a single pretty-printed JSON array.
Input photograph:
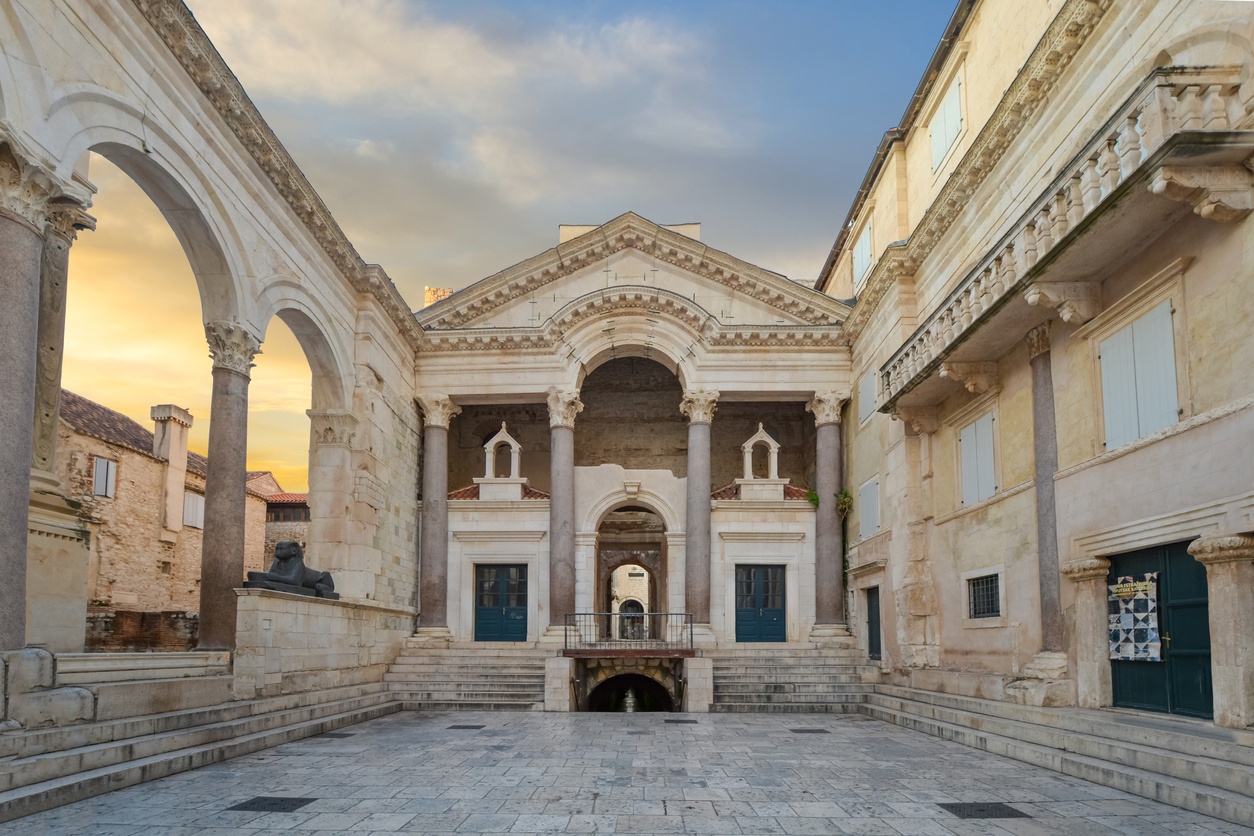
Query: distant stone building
[
  {"x": 287, "y": 518},
  {"x": 431, "y": 295},
  {"x": 141, "y": 497}
]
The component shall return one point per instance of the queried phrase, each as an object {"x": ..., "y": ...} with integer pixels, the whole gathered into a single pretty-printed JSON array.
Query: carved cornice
[
  {"x": 1087, "y": 569},
  {"x": 976, "y": 378},
  {"x": 66, "y": 219},
  {"x": 699, "y": 407},
  {"x": 191, "y": 47},
  {"x": 232, "y": 347},
  {"x": 438, "y": 410},
  {"x": 1038, "y": 340},
  {"x": 1222, "y": 548},
  {"x": 26, "y": 189},
  {"x": 630, "y": 231},
  {"x": 332, "y": 427},
  {"x": 919, "y": 420},
  {"x": 564, "y": 405},
  {"x": 1067, "y": 32},
  {"x": 1223, "y": 193},
  {"x": 1076, "y": 302},
  {"x": 826, "y": 407}
]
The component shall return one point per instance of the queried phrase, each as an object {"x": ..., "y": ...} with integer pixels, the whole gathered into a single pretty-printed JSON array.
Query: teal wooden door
[
  {"x": 760, "y": 615},
  {"x": 501, "y": 603},
  {"x": 873, "y": 649},
  {"x": 1181, "y": 682}
]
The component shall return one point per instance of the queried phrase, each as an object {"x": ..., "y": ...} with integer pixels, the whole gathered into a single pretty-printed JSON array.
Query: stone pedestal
[
  {"x": 558, "y": 673},
  {"x": 1092, "y": 632},
  {"x": 698, "y": 685},
  {"x": 1229, "y": 562}
]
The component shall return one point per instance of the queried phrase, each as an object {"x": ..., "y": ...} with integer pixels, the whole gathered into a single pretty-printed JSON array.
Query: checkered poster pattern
[{"x": 1133, "y": 614}]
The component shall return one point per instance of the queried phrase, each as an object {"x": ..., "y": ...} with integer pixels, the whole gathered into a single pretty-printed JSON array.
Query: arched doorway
[
  {"x": 630, "y": 692},
  {"x": 631, "y": 570}
]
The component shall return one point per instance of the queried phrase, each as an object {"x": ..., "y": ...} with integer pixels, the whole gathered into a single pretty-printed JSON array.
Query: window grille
[{"x": 984, "y": 597}]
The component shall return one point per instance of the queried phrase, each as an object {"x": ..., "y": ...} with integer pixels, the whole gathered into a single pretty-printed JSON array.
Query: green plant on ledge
[{"x": 844, "y": 503}]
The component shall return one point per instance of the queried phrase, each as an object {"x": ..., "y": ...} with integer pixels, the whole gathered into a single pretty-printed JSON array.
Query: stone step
[
  {"x": 1194, "y": 737},
  {"x": 460, "y": 705},
  {"x": 1179, "y": 792},
  {"x": 795, "y": 678},
  {"x": 792, "y": 708},
  {"x": 428, "y": 665},
  {"x": 402, "y": 675},
  {"x": 786, "y": 699},
  {"x": 1223, "y": 772},
  {"x": 95, "y": 668},
  {"x": 237, "y": 737},
  {"x": 19, "y": 772},
  {"x": 769, "y": 688}
]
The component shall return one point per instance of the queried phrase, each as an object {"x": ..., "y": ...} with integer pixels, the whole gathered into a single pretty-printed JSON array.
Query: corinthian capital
[
  {"x": 826, "y": 407},
  {"x": 699, "y": 406},
  {"x": 66, "y": 219},
  {"x": 564, "y": 405},
  {"x": 1222, "y": 548},
  {"x": 25, "y": 188},
  {"x": 231, "y": 346},
  {"x": 438, "y": 409}
]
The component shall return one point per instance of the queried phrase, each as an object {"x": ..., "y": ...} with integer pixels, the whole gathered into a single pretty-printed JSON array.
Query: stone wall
[
  {"x": 288, "y": 644},
  {"x": 127, "y": 631},
  {"x": 277, "y": 532}
]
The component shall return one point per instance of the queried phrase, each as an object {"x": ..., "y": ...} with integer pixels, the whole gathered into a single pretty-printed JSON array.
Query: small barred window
[{"x": 984, "y": 597}]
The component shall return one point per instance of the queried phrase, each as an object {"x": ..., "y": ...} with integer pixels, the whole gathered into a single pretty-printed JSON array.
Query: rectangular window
[
  {"x": 866, "y": 396},
  {"x": 193, "y": 510},
  {"x": 1138, "y": 365},
  {"x": 975, "y": 443},
  {"x": 984, "y": 597},
  {"x": 946, "y": 122},
  {"x": 869, "y": 508},
  {"x": 862, "y": 256},
  {"x": 104, "y": 477}
]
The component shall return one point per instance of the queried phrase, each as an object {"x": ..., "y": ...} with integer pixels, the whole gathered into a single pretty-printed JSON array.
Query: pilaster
[
  {"x": 1092, "y": 632},
  {"x": 1229, "y": 562}
]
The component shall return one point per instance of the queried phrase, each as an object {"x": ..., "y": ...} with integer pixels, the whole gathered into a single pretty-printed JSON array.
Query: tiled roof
[
  {"x": 472, "y": 492},
  {"x": 288, "y": 498},
  {"x": 732, "y": 491}
]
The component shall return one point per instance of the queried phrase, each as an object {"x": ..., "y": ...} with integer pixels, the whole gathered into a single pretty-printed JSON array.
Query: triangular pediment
[{"x": 632, "y": 256}]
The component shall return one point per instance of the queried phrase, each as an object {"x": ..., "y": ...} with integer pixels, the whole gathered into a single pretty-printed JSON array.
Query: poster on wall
[{"x": 1133, "y": 614}]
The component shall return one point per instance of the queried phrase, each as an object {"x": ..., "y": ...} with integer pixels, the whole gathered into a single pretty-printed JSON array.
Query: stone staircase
[
  {"x": 44, "y": 768},
  {"x": 1185, "y": 763},
  {"x": 792, "y": 679},
  {"x": 468, "y": 677}
]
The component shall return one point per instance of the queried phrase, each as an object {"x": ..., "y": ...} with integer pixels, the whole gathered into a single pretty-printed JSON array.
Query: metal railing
[{"x": 629, "y": 631}]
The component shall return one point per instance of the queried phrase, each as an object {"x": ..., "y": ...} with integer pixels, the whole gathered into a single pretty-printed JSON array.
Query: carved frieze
[
  {"x": 232, "y": 347},
  {"x": 826, "y": 407},
  {"x": 1218, "y": 193},
  {"x": 699, "y": 406},
  {"x": 1076, "y": 302},
  {"x": 564, "y": 405},
  {"x": 438, "y": 410}
]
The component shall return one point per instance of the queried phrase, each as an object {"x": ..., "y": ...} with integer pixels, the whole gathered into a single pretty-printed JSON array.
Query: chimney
[{"x": 169, "y": 442}]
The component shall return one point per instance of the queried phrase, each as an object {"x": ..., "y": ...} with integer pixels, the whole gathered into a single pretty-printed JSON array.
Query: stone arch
[
  {"x": 173, "y": 180},
  {"x": 327, "y": 357},
  {"x": 664, "y": 673},
  {"x": 1219, "y": 44},
  {"x": 672, "y": 518}
]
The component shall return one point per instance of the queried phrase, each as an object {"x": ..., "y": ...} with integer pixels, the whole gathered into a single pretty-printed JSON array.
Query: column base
[
  {"x": 832, "y": 635},
  {"x": 435, "y": 635},
  {"x": 703, "y": 636},
  {"x": 1044, "y": 682},
  {"x": 553, "y": 636}
]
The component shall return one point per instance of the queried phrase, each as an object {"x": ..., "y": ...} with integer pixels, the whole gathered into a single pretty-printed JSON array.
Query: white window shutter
[
  {"x": 193, "y": 510},
  {"x": 869, "y": 508},
  {"x": 866, "y": 396},
  {"x": 862, "y": 255},
  {"x": 1154, "y": 350},
  {"x": 100, "y": 476},
  {"x": 984, "y": 445},
  {"x": 1119, "y": 388},
  {"x": 969, "y": 445}
]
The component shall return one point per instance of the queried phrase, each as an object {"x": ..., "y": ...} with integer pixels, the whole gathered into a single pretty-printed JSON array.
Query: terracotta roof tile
[
  {"x": 472, "y": 492},
  {"x": 289, "y": 498},
  {"x": 732, "y": 491}
]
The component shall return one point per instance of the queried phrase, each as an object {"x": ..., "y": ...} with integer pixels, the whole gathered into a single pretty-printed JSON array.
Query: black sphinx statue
[{"x": 288, "y": 573}]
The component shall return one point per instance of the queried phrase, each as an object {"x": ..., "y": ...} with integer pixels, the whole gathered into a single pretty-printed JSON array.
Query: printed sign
[{"x": 1133, "y": 613}]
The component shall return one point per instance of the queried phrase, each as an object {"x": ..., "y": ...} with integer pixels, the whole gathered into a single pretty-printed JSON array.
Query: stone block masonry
[{"x": 287, "y": 644}]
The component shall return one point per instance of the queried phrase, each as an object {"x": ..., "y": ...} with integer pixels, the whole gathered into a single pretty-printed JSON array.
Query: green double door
[
  {"x": 760, "y": 613},
  {"x": 500, "y": 603},
  {"x": 1181, "y": 682}
]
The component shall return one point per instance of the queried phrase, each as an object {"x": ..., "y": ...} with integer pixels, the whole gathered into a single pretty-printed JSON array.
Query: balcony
[
  {"x": 1170, "y": 149},
  {"x": 627, "y": 634}
]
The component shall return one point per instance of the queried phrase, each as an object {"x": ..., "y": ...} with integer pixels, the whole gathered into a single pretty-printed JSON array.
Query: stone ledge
[{"x": 341, "y": 602}]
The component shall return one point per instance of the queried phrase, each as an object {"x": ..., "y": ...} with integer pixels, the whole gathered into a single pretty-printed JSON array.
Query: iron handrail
[{"x": 629, "y": 631}]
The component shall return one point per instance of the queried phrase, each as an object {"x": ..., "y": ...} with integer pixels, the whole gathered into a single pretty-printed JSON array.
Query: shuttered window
[
  {"x": 1138, "y": 364},
  {"x": 193, "y": 510},
  {"x": 866, "y": 396},
  {"x": 862, "y": 256},
  {"x": 104, "y": 477},
  {"x": 946, "y": 123},
  {"x": 975, "y": 442},
  {"x": 869, "y": 508}
]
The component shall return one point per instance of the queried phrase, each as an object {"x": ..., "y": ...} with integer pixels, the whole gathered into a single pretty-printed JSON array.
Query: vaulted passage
[{"x": 646, "y": 694}]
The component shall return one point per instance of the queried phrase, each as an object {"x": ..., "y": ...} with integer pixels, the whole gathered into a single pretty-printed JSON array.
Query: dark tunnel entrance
[{"x": 611, "y": 695}]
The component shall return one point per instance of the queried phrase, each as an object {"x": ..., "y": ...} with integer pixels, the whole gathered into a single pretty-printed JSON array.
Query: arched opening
[
  {"x": 500, "y": 461},
  {"x": 761, "y": 460},
  {"x": 631, "y": 567},
  {"x": 630, "y": 691},
  {"x": 631, "y": 418}
]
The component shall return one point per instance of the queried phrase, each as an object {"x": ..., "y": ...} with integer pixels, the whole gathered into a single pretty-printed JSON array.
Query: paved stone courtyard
[{"x": 618, "y": 773}]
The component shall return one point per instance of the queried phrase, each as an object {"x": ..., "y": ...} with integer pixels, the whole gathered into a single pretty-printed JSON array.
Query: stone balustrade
[{"x": 1171, "y": 101}]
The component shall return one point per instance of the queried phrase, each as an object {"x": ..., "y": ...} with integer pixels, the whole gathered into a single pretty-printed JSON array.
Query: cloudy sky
[{"x": 451, "y": 137}]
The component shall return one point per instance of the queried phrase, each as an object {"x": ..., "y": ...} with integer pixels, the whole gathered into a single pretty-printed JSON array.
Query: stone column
[
  {"x": 1045, "y": 449},
  {"x": 699, "y": 408},
  {"x": 1229, "y": 562},
  {"x": 331, "y": 434},
  {"x": 563, "y": 407},
  {"x": 24, "y": 194},
  {"x": 438, "y": 412},
  {"x": 222, "y": 550},
  {"x": 829, "y": 577},
  {"x": 63, "y": 223},
  {"x": 1092, "y": 631}
]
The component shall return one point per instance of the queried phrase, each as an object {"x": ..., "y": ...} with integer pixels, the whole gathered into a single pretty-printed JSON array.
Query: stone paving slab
[{"x": 530, "y": 773}]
